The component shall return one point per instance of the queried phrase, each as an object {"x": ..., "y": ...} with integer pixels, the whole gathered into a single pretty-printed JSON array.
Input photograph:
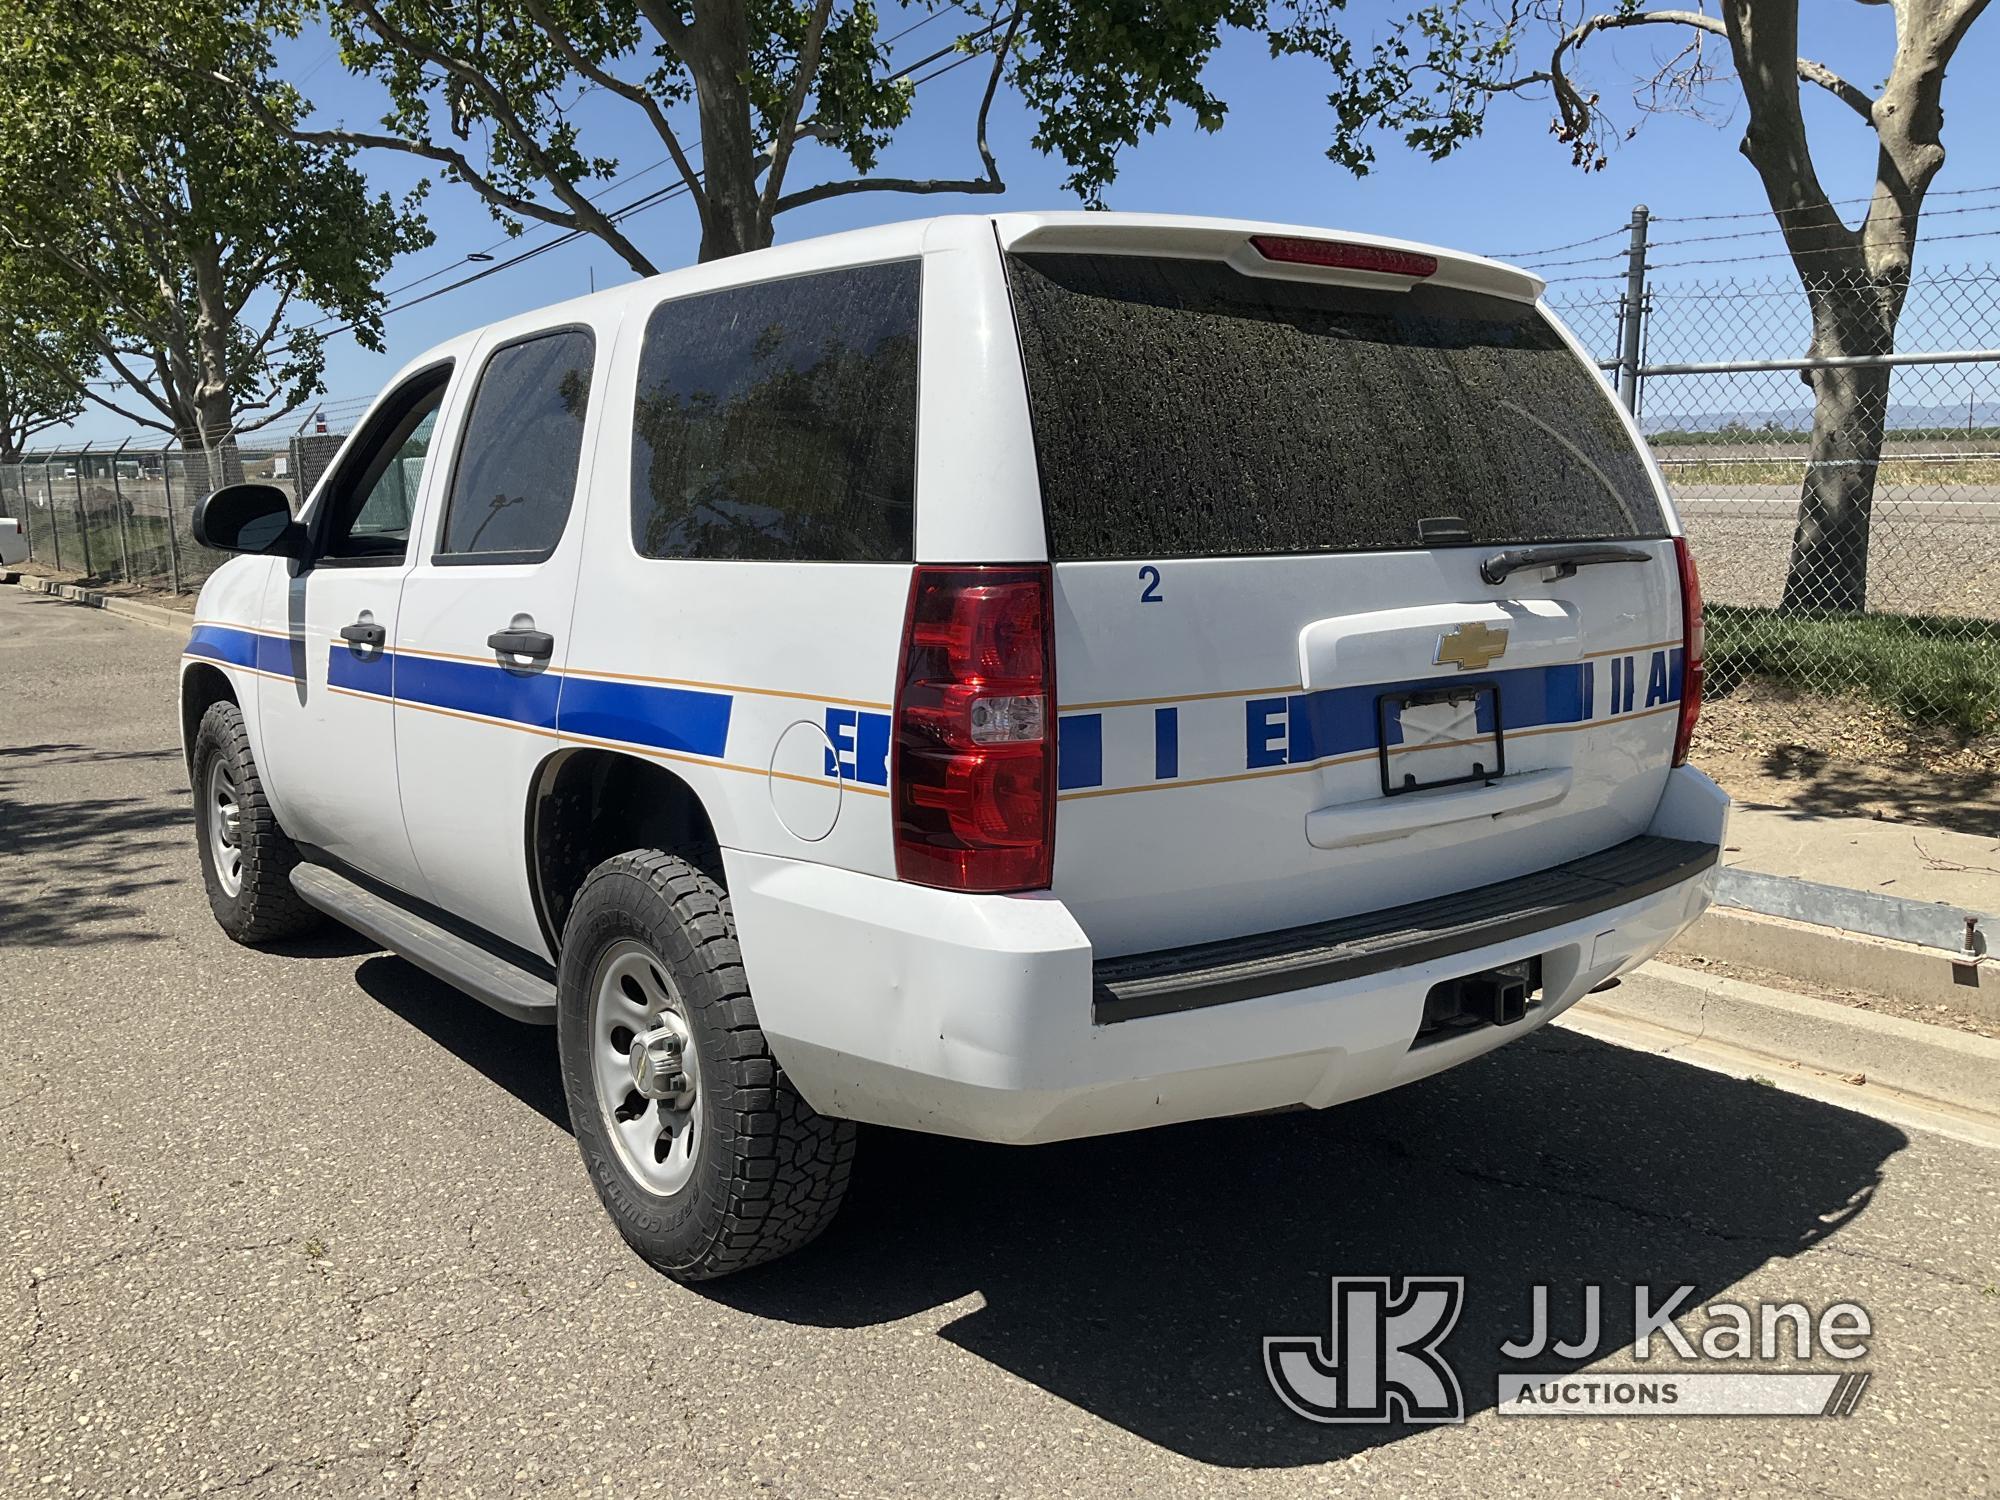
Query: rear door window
[
  {"x": 1183, "y": 409},
  {"x": 517, "y": 461},
  {"x": 779, "y": 421}
]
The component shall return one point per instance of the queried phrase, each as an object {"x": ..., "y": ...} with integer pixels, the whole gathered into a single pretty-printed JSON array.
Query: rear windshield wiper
[{"x": 1565, "y": 558}]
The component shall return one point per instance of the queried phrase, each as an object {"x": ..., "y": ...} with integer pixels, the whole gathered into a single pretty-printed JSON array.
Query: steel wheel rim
[
  {"x": 225, "y": 826},
  {"x": 634, "y": 1002}
]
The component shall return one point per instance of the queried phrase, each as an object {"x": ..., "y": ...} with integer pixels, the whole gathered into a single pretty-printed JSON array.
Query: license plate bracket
[{"x": 1436, "y": 737}]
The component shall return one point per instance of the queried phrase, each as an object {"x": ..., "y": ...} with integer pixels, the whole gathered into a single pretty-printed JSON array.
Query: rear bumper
[{"x": 985, "y": 1017}]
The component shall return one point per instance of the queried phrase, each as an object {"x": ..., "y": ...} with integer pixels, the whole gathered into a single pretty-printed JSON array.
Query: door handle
[
  {"x": 363, "y": 633},
  {"x": 535, "y": 643}
]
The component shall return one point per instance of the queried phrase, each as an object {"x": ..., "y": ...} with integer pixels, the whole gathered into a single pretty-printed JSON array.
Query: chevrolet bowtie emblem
[{"x": 1471, "y": 646}]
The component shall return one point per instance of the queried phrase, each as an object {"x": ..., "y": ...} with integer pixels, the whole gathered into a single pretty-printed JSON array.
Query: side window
[
  {"x": 779, "y": 421},
  {"x": 372, "y": 495},
  {"x": 516, "y": 472}
]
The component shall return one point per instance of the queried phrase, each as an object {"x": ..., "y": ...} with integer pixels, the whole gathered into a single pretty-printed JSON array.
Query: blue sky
[{"x": 1510, "y": 192}]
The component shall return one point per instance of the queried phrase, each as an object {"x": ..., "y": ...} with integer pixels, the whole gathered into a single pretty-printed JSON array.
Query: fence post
[
  {"x": 118, "y": 504},
  {"x": 49, "y": 495},
  {"x": 1631, "y": 309},
  {"x": 173, "y": 544},
  {"x": 82, "y": 516},
  {"x": 21, "y": 484}
]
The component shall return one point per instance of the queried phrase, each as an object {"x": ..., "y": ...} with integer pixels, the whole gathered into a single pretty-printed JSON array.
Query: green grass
[{"x": 1938, "y": 670}]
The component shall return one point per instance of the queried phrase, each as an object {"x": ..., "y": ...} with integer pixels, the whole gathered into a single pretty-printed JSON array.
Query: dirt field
[{"x": 1844, "y": 757}]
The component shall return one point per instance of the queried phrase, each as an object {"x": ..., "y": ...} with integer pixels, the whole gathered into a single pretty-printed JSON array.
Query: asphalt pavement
[{"x": 307, "y": 1222}]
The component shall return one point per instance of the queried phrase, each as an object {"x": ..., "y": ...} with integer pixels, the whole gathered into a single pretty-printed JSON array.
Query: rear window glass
[
  {"x": 1182, "y": 409},
  {"x": 779, "y": 421}
]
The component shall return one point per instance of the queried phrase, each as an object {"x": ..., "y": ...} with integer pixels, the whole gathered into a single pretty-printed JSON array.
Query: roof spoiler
[{"x": 1301, "y": 253}]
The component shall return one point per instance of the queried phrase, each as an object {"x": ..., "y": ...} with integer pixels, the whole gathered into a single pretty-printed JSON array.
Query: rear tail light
[
  {"x": 1692, "y": 633},
  {"x": 975, "y": 766},
  {"x": 1339, "y": 255}
]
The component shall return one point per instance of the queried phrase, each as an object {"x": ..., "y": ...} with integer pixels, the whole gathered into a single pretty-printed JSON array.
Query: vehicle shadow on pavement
[
  {"x": 1137, "y": 1276},
  {"x": 518, "y": 1057}
]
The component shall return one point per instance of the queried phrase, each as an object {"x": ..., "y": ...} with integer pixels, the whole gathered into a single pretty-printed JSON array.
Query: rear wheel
[
  {"x": 699, "y": 1147},
  {"x": 246, "y": 859}
]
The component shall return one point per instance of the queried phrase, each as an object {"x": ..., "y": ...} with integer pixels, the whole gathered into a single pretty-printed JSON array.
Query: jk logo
[{"x": 1379, "y": 1356}]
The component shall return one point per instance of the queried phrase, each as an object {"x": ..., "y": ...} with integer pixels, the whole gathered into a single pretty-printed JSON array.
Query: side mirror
[{"x": 249, "y": 518}]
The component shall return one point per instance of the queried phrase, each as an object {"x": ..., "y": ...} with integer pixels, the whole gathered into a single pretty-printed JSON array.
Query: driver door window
[{"x": 372, "y": 500}]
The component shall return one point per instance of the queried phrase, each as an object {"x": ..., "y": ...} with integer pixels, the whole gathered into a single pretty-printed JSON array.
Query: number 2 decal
[{"x": 1150, "y": 594}]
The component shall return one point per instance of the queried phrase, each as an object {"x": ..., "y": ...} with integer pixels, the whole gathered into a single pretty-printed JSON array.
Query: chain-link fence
[
  {"x": 120, "y": 514},
  {"x": 1848, "y": 535},
  {"x": 1845, "y": 511}
]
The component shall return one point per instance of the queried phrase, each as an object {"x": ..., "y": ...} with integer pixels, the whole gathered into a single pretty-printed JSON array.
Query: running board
[{"x": 458, "y": 961}]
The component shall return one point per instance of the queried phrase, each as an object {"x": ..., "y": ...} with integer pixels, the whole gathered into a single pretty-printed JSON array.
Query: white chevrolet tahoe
[{"x": 1018, "y": 677}]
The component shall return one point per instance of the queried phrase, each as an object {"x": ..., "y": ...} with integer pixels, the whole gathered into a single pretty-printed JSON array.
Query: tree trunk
[
  {"x": 719, "y": 57},
  {"x": 1829, "y": 564},
  {"x": 209, "y": 461}
]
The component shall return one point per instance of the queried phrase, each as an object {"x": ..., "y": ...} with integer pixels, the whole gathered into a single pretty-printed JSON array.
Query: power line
[
  {"x": 1801, "y": 208},
  {"x": 1767, "y": 213},
  {"x": 1558, "y": 249},
  {"x": 658, "y": 196},
  {"x": 1737, "y": 260},
  {"x": 1739, "y": 234}
]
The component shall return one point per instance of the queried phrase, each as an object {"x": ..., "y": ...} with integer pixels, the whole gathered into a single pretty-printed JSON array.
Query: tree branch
[
  {"x": 1909, "y": 124},
  {"x": 587, "y": 216},
  {"x": 795, "y": 102},
  {"x": 990, "y": 183},
  {"x": 131, "y": 416},
  {"x": 631, "y": 93},
  {"x": 1576, "y": 107},
  {"x": 113, "y": 356},
  {"x": 255, "y": 351},
  {"x": 447, "y": 156}
]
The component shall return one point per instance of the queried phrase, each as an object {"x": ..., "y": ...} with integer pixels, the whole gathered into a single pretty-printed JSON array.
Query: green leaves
[
  {"x": 45, "y": 354},
  {"x": 509, "y": 79},
  {"x": 154, "y": 199}
]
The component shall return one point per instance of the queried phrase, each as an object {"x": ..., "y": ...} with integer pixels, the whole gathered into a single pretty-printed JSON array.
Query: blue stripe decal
[
  {"x": 666, "y": 718},
  {"x": 235, "y": 648},
  {"x": 372, "y": 672},
  {"x": 1341, "y": 721},
  {"x": 242, "y": 648},
  {"x": 1166, "y": 743},
  {"x": 1079, "y": 751},
  {"x": 522, "y": 697},
  {"x": 275, "y": 655}
]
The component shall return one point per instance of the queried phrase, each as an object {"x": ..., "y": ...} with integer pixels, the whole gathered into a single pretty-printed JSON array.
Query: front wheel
[
  {"x": 706, "y": 1157},
  {"x": 246, "y": 859}
]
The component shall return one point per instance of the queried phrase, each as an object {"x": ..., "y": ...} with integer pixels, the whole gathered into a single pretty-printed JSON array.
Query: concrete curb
[
  {"x": 1843, "y": 960},
  {"x": 1952, "y": 1069},
  {"x": 111, "y": 604}
]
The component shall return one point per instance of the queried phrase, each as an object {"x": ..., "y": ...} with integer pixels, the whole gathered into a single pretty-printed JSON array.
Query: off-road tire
[
  {"x": 769, "y": 1172},
  {"x": 266, "y": 907}
]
